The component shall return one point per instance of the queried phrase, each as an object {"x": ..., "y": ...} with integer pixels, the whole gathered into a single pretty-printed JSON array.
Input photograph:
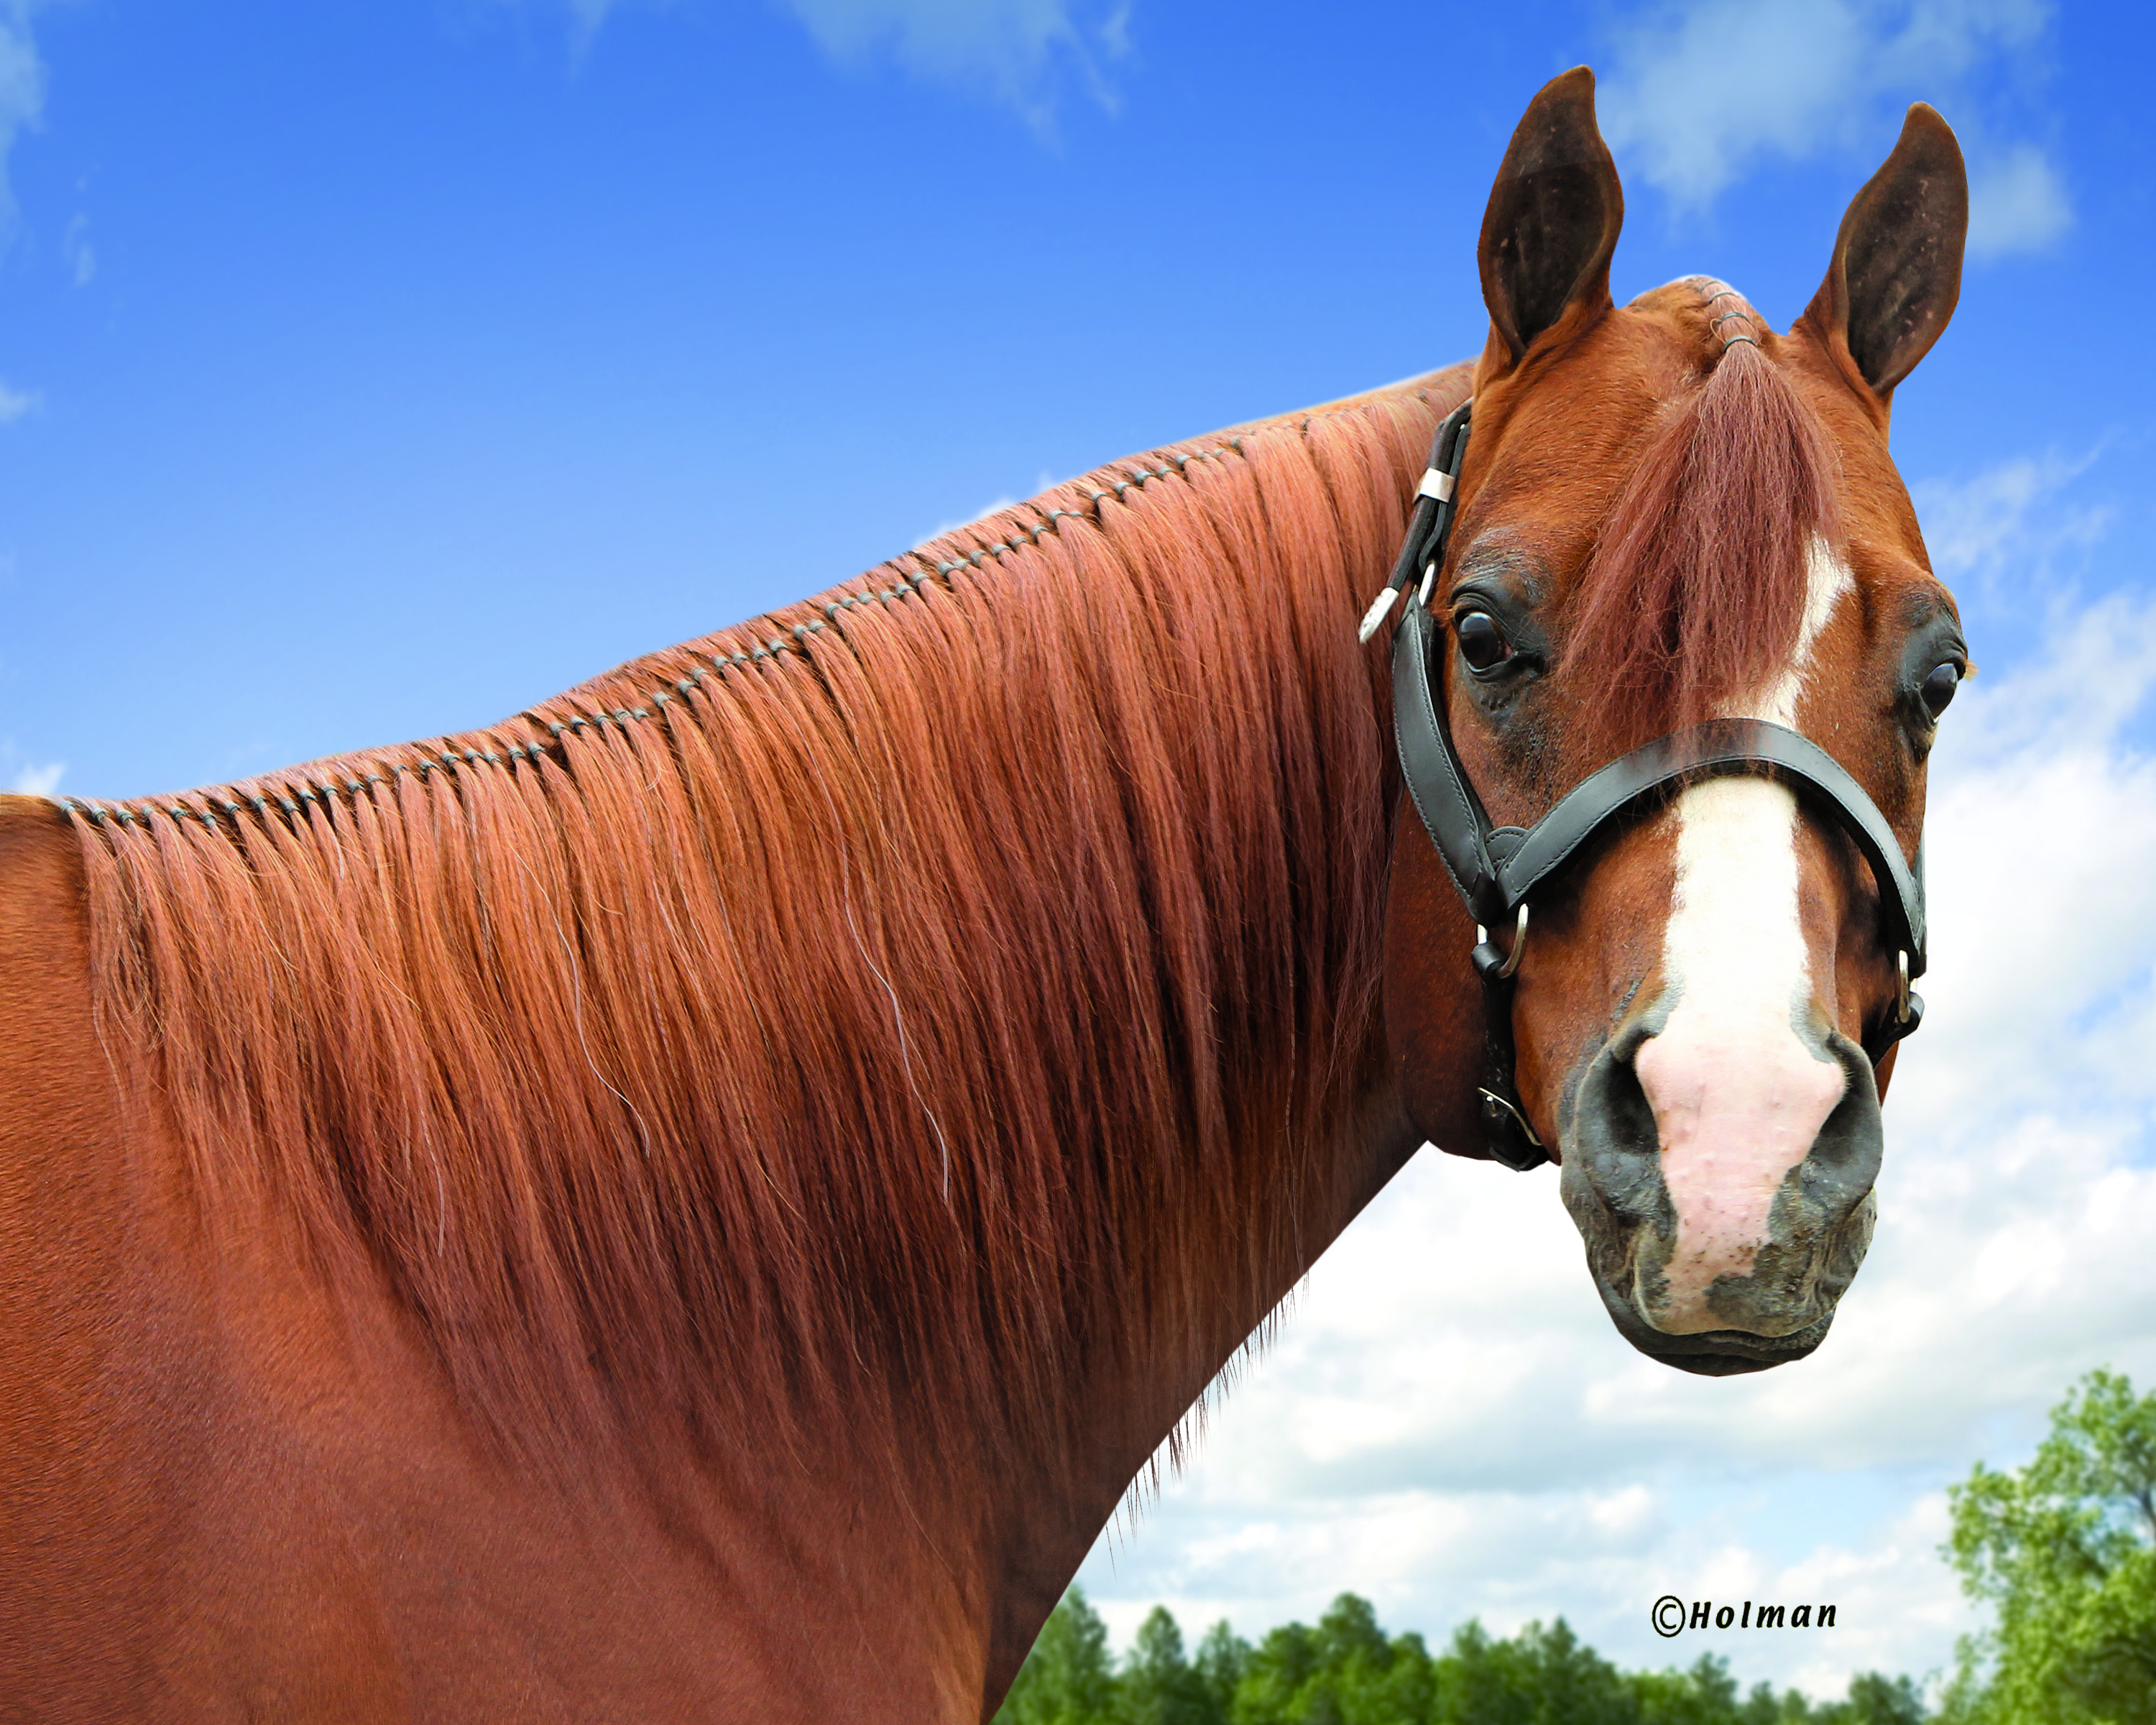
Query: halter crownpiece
[{"x": 1496, "y": 870}]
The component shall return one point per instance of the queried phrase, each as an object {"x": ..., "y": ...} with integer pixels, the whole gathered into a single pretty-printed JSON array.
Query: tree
[
  {"x": 1875, "y": 1699},
  {"x": 1067, "y": 1679},
  {"x": 1706, "y": 1694},
  {"x": 2064, "y": 1552},
  {"x": 1345, "y": 1672},
  {"x": 1542, "y": 1676},
  {"x": 1158, "y": 1686},
  {"x": 1222, "y": 1658}
]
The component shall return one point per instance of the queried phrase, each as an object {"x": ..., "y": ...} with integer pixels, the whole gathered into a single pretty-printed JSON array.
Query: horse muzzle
[{"x": 1722, "y": 1182}]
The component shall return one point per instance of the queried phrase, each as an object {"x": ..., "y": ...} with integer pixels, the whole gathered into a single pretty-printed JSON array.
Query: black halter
[{"x": 1497, "y": 870}]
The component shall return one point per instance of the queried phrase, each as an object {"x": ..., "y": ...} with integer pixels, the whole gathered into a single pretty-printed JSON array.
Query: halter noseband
[{"x": 1496, "y": 870}]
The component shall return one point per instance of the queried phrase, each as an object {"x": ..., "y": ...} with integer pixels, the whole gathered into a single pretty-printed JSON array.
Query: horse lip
[
  {"x": 1713, "y": 1353},
  {"x": 1733, "y": 1351}
]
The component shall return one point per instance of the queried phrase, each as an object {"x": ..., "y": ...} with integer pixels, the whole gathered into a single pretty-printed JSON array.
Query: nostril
[
  {"x": 1612, "y": 1140},
  {"x": 1850, "y": 1142},
  {"x": 1628, "y": 1109}
]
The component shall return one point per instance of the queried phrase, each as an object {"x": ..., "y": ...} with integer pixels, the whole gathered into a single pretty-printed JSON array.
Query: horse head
[{"x": 1670, "y": 517}]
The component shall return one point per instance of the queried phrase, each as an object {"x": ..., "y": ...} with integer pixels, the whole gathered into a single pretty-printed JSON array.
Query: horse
[{"x": 700, "y": 1199}]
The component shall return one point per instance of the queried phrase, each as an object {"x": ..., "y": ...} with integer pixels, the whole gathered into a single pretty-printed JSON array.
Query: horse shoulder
[
  {"x": 232, "y": 1479},
  {"x": 142, "y": 1517},
  {"x": 59, "y": 1113},
  {"x": 73, "y": 1507}
]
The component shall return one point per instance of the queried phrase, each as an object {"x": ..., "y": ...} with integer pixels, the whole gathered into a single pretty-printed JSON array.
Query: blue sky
[
  {"x": 370, "y": 370},
  {"x": 373, "y": 368}
]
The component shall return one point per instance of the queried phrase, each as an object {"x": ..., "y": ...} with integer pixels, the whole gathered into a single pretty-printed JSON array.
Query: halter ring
[
  {"x": 1901, "y": 987},
  {"x": 1503, "y": 972}
]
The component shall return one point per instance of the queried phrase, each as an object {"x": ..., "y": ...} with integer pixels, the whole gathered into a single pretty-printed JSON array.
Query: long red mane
[{"x": 821, "y": 1004}]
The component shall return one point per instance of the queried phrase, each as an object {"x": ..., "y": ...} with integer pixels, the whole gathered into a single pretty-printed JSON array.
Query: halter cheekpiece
[{"x": 1496, "y": 870}]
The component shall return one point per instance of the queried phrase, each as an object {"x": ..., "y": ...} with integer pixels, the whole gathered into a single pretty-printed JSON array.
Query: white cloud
[
  {"x": 992, "y": 507},
  {"x": 590, "y": 14},
  {"x": 986, "y": 509},
  {"x": 1008, "y": 50},
  {"x": 80, "y": 254},
  {"x": 2008, "y": 527},
  {"x": 1701, "y": 91},
  {"x": 22, "y": 90},
  {"x": 1002, "y": 48},
  {"x": 27, "y": 778},
  {"x": 1449, "y": 1424},
  {"x": 2016, "y": 204},
  {"x": 38, "y": 781},
  {"x": 16, "y": 403},
  {"x": 585, "y": 16}
]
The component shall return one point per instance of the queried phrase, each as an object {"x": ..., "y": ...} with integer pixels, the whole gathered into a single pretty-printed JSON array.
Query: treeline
[
  {"x": 2063, "y": 1551},
  {"x": 1347, "y": 1671}
]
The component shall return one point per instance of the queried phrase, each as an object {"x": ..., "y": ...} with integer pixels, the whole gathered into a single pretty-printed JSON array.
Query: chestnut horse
[{"x": 696, "y": 1202}]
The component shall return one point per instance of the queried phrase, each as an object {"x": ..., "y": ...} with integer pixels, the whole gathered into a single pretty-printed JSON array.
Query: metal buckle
[
  {"x": 1902, "y": 988},
  {"x": 1496, "y": 1109}
]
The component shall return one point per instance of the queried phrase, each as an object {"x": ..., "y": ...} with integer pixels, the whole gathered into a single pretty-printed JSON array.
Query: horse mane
[
  {"x": 1693, "y": 597},
  {"x": 822, "y": 1010}
]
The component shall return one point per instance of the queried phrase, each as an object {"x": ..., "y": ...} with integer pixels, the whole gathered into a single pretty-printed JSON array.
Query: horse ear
[
  {"x": 1897, "y": 270},
  {"x": 1551, "y": 225}
]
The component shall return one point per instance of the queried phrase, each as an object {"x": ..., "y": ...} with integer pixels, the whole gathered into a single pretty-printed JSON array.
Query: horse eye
[
  {"x": 1938, "y": 687},
  {"x": 1482, "y": 644}
]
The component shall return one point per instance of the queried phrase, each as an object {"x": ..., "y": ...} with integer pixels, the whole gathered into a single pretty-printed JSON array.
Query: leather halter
[{"x": 1496, "y": 870}]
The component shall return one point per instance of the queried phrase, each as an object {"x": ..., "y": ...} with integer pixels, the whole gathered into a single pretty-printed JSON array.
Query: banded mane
[
  {"x": 819, "y": 1004},
  {"x": 1694, "y": 596}
]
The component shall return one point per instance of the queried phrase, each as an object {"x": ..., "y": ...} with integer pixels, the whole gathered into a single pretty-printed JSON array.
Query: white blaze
[{"x": 1737, "y": 1098}]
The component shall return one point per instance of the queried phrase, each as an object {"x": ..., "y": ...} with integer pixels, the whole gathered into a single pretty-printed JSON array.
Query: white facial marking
[
  {"x": 1826, "y": 579},
  {"x": 1737, "y": 1099}
]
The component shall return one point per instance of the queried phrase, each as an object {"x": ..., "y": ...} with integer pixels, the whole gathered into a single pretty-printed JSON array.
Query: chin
[{"x": 1713, "y": 1353}]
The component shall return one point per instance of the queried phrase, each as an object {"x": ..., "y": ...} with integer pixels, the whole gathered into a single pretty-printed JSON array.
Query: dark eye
[
  {"x": 1938, "y": 687},
  {"x": 1482, "y": 644}
]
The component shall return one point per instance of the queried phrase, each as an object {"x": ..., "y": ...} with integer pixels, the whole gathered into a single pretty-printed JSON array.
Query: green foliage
[
  {"x": 1159, "y": 1687},
  {"x": 1706, "y": 1694},
  {"x": 1068, "y": 1678},
  {"x": 2064, "y": 1552},
  {"x": 1347, "y": 1671},
  {"x": 1542, "y": 1676},
  {"x": 1873, "y": 1700},
  {"x": 1222, "y": 1658}
]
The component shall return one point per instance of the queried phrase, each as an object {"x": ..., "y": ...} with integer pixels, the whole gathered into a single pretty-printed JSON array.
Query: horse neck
[
  {"x": 951, "y": 1001},
  {"x": 1140, "y": 929},
  {"x": 1054, "y": 858}
]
